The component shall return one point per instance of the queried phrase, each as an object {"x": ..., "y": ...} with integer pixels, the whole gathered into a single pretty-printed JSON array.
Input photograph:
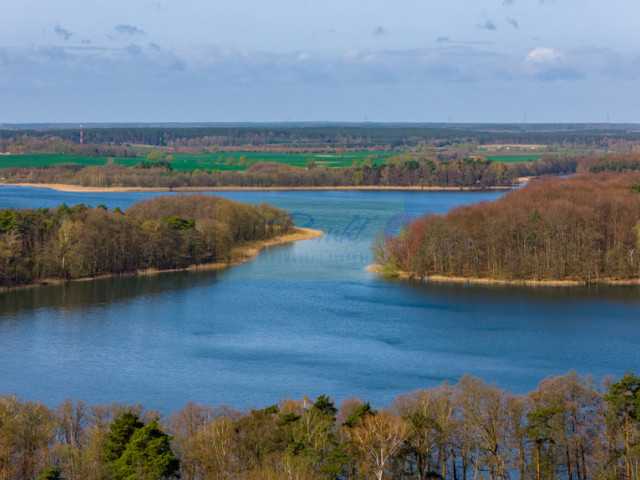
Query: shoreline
[
  {"x": 239, "y": 255},
  {"x": 63, "y": 187},
  {"x": 377, "y": 269}
]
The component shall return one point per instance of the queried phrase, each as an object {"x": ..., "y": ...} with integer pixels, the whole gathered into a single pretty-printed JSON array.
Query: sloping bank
[
  {"x": 552, "y": 232},
  {"x": 155, "y": 235}
]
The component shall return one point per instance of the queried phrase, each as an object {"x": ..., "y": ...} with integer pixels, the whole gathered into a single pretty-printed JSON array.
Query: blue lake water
[{"x": 301, "y": 319}]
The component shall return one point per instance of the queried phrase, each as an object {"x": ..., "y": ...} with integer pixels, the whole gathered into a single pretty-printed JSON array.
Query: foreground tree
[
  {"x": 374, "y": 441},
  {"x": 624, "y": 406},
  {"x": 135, "y": 451}
]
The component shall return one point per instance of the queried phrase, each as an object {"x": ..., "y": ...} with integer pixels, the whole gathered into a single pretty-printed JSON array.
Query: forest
[
  {"x": 433, "y": 157},
  {"x": 398, "y": 172},
  {"x": 414, "y": 170},
  {"x": 167, "y": 232},
  {"x": 585, "y": 228},
  {"x": 310, "y": 136},
  {"x": 568, "y": 428}
]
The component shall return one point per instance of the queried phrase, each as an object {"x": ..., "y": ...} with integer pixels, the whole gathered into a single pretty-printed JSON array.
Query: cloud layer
[{"x": 491, "y": 59}]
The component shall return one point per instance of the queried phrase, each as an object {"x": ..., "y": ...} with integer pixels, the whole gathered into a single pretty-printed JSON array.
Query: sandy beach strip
[
  {"x": 377, "y": 269},
  {"x": 63, "y": 187}
]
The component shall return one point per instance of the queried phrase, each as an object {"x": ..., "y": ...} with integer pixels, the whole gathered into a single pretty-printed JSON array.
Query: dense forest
[
  {"x": 568, "y": 428},
  {"x": 585, "y": 228},
  {"x": 162, "y": 233},
  {"x": 363, "y": 136}
]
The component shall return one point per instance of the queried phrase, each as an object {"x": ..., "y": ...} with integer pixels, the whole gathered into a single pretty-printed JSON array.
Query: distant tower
[{"x": 81, "y": 139}]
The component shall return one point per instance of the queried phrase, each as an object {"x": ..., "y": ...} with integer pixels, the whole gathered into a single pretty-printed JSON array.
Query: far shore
[
  {"x": 63, "y": 187},
  {"x": 377, "y": 269},
  {"x": 239, "y": 255}
]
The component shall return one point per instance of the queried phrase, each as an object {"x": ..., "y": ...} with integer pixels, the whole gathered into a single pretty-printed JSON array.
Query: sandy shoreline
[
  {"x": 63, "y": 187},
  {"x": 377, "y": 269},
  {"x": 239, "y": 255}
]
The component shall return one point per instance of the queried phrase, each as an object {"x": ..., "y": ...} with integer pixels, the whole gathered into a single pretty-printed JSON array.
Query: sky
[{"x": 323, "y": 60}]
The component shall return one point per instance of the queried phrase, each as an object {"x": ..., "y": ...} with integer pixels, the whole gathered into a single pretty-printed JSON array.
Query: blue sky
[{"x": 302, "y": 60}]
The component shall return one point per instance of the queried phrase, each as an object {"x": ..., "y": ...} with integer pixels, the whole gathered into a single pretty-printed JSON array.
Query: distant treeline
[
  {"x": 455, "y": 173},
  {"x": 161, "y": 233},
  {"x": 568, "y": 428},
  {"x": 586, "y": 228},
  {"x": 612, "y": 163},
  {"x": 314, "y": 137},
  {"x": 51, "y": 144},
  {"x": 426, "y": 168},
  {"x": 407, "y": 170}
]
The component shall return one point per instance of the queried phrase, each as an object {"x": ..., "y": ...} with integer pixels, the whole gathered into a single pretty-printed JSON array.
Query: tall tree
[{"x": 624, "y": 402}]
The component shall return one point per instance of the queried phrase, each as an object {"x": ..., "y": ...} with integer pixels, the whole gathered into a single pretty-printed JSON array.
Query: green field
[
  {"x": 516, "y": 158},
  {"x": 193, "y": 161},
  {"x": 49, "y": 159}
]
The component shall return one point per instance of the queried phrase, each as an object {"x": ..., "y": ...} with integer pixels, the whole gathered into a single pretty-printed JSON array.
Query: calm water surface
[{"x": 302, "y": 319}]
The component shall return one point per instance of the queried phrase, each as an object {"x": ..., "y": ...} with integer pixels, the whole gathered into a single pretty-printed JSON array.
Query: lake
[{"x": 301, "y": 319}]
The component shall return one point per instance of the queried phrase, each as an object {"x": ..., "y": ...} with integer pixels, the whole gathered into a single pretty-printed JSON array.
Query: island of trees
[
  {"x": 167, "y": 232},
  {"x": 568, "y": 428},
  {"x": 584, "y": 228}
]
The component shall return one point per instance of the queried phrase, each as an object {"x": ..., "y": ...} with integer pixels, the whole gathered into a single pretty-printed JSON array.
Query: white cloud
[
  {"x": 549, "y": 64},
  {"x": 541, "y": 56},
  {"x": 445, "y": 67}
]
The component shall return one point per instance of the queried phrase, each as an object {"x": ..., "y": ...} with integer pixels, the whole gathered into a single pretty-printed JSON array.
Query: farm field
[
  {"x": 517, "y": 158},
  {"x": 193, "y": 161}
]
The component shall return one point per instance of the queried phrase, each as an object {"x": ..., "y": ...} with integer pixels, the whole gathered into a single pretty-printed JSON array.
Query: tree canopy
[
  {"x": 568, "y": 428},
  {"x": 583, "y": 228},
  {"x": 162, "y": 233}
]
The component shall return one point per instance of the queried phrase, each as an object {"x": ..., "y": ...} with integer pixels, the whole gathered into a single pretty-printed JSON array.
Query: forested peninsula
[
  {"x": 568, "y": 428},
  {"x": 163, "y": 233},
  {"x": 585, "y": 228}
]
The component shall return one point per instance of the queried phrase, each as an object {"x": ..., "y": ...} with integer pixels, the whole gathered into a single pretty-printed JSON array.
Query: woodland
[
  {"x": 585, "y": 228},
  {"x": 416, "y": 170},
  {"x": 568, "y": 428},
  {"x": 167, "y": 232},
  {"x": 303, "y": 137},
  {"x": 435, "y": 156},
  {"x": 582, "y": 228}
]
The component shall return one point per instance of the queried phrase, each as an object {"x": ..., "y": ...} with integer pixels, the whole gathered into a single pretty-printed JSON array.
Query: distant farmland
[
  {"x": 194, "y": 161},
  {"x": 517, "y": 158}
]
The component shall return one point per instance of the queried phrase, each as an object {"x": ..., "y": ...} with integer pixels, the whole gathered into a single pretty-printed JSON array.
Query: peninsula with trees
[
  {"x": 582, "y": 229},
  {"x": 163, "y": 233}
]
